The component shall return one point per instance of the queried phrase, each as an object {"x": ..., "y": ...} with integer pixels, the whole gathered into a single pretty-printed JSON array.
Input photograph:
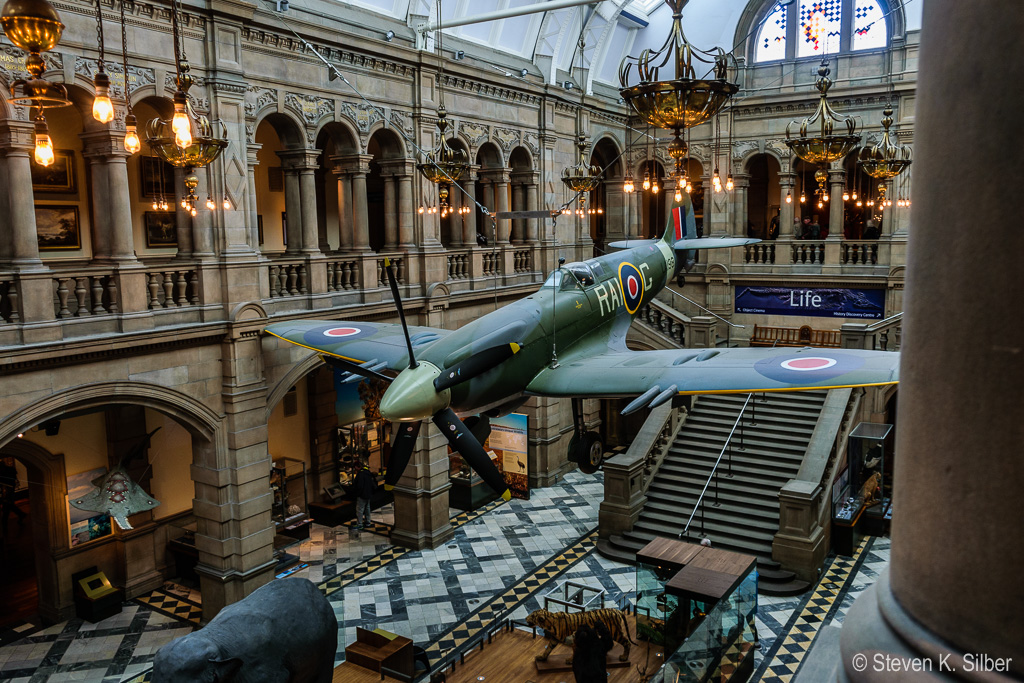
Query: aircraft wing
[
  {"x": 715, "y": 371},
  {"x": 357, "y": 341}
]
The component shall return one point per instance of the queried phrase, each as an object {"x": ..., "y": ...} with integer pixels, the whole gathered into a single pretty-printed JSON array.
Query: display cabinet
[
  {"x": 861, "y": 492},
  {"x": 291, "y": 497}
]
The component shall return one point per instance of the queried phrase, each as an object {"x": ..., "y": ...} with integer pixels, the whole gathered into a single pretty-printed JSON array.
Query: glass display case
[
  {"x": 288, "y": 482},
  {"x": 863, "y": 485},
  {"x": 181, "y": 544},
  {"x": 721, "y": 635}
]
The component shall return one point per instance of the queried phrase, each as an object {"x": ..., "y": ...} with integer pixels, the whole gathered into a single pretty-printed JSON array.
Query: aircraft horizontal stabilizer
[{"x": 712, "y": 242}]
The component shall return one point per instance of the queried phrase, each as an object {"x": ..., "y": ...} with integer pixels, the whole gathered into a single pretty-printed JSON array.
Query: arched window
[{"x": 814, "y": 28}]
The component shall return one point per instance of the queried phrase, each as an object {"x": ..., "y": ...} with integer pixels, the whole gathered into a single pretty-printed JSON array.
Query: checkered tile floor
[{"x": 500, "y": 563}]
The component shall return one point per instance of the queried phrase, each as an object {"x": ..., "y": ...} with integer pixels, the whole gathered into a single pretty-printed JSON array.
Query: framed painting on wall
[
  {"x": 157, "y": 177},
  {"x": 58, "y": 177},
  {"x": 84, "y": 525},
  {"x": 57, "y": 227},
  {"x": 161, "y": 230}
]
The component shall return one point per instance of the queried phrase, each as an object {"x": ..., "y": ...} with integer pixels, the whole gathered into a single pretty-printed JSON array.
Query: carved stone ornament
[
  {"x": 137, "y": 76},
  {"x": 741, "y": 149},
  {"x": 12, "y": 63},
  {"x": 310, "y": 109},
  {"x": 402, "y": 120},
  {"x": 362, "y": 115},
  {"x": 258, "y": 98},
  {"x": 506, "y": 137},
  {"x": 532, "y": 141},
  {"x": 474, "y": 132}
]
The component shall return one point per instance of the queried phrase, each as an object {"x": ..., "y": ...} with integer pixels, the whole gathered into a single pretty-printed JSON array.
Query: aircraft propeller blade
[
  {"x": 368, "y": 369},
  {"x": 401, "y": 451},
  {"x": 463, "y": 441},
  {"x": 401, "y": 312},
  {"x": 477, "y": 364}
]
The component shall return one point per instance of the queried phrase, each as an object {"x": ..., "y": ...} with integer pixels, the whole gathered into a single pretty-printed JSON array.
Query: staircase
[{"x": 746, "y": 517}]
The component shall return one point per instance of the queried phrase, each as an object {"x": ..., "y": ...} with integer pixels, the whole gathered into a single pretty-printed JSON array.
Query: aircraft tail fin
[{"x": 681, "y": 221}]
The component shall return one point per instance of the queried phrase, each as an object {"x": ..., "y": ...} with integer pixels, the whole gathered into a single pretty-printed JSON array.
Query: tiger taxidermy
[{"x": 558, "y": 626}]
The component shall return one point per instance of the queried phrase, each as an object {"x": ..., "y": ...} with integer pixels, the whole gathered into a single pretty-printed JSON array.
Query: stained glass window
[
  {"x": 771, "y": 41},
  {"x": 868, "y": 25},
  {"x": 820, "y": 27}
]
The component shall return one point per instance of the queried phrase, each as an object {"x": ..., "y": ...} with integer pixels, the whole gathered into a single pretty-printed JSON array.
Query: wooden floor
[{"x": 509, "y": 659}]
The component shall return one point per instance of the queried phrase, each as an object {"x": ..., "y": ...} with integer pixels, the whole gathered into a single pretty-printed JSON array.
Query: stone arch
[
  {"x": 291, "y": 378},
  {"x": 288, "y": 129},
  {"x": 520, "y": 159},
  {"x": 607, "y": 148},
  {"x": 488, "y": 156},
  {"x": 192, "y": 414},
  {"x": 340, "y": 134},
  {"x": 391, "y": 144}
]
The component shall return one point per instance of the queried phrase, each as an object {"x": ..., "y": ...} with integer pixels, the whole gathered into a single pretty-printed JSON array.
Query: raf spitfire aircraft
[{"x": 568, "y": 339}]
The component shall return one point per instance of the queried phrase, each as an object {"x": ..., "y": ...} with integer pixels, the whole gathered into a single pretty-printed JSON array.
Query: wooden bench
[
  {"x": 374, "y": 649},
  {"x": 795, "y": 336}
]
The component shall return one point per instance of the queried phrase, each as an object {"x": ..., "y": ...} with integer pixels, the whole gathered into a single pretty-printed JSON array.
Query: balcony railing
[
  {"x": 288, "y": 279},
  {"x": 172, "y": 288},
  {"x": 459, "y": 265},
  {"x": 343, "y": 274}
]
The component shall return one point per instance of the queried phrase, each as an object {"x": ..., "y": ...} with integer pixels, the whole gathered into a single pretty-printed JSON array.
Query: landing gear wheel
[{"x": 589, "y": 452}]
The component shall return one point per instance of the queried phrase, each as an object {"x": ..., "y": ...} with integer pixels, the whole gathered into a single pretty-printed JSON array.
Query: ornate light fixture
[
  {"x": 35, "y": 27},
  {"x": 131, "y": 135},
  {"x": 584, "y": 177},
  {"x": 102, "y": 107},
  {"x": 444, "y": 164},
  {"x": 189, "y": 140},
  {"x": 886, "y": 159},
  {"x": 826, "y": 145},
  {"x": 686, "y": 100}
]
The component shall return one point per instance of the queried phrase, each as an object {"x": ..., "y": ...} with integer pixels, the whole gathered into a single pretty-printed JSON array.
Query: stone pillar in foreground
[{"x": 954, "y": 582}]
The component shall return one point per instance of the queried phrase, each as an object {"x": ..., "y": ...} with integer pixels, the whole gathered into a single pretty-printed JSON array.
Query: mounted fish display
[{"x": 116, "y": 494}]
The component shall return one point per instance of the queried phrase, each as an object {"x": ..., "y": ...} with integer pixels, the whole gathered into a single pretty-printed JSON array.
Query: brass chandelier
[
  {"x": 584, "y": 176},
  {"x": 189, "y": 140},
  {"x": 886, "y": 159},
  {"x": 682, "y": 102},
  {"x": 444, "y": 164},
  {"x": 35, "y": 27},
  {"x": 824, "y": 145}
]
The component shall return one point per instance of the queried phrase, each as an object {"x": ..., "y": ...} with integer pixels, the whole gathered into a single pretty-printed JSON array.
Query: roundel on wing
[
  {"x": 804, "y": 368},
  {"x": 336, "y": 332},
  {"x": 631, "y": 280}
]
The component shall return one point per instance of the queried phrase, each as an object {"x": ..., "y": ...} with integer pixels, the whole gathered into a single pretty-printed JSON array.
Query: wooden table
[{"x": 668, "y": 553}]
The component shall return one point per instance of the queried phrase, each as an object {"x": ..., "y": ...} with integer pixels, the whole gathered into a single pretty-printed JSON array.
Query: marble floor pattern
[{"x": 425, "y": 595}]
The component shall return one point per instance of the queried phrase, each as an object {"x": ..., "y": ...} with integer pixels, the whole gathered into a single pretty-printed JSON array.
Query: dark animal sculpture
[
  {"x": 558, "y": 626},
  {"x": 285, "y": 632}
]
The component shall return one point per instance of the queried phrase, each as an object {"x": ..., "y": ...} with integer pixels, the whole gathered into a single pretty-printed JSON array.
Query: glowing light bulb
[
  {"x": 102, "y": 108},
  {"x": 44, "y": 150},
  {"x": 179, "y": 121},
  {"x": 853, "y": 196},
  {"x": 689, "y": 188},
  {"x": 789, "y": 197},
  {"x": 820, "y": 204},
  {"x": 193, "y": 212},
  {"x": 803, "y": 198},
  {"x": 860, "y": 203},
  {"x": 647, "y": 182},
  {"x": 654, "y": 188},
  {"x": 846, "y": 196},
  {"x": 183, "y": 138},
  {"x": 728, "y": 182},
  {"x": 164, "y": 205},
  {"x": 824, "y": 198},
  {"x": 678, "y": 196},
  {"x": 421, "y": 210},
  {"x": 156, "y": 206},
  {"x": 209, "y": 203},
  {"x": 227, "y": 204},
  {"x": 600, "y": 211},
  {"x": 131, "y": 141}
]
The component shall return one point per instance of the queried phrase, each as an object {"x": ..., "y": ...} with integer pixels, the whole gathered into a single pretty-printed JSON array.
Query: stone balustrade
[
  {"x": 884, "y": 335},
  {"x": 522, "y": 261},
  {"x": 343, "y": 274},
  {"x": 663, "y": 319},
  {"x": 859, "y": 253},
  {"x": 762, "y": 252},
  {"x": 85, "y": 294},
  {"x": 492, "y": 261},
  {"x": 398, "y": 263},
  {"x": 459, "y": 265},
  {"x": 808, "y": 252},
  {"x": 172, "y": 288},
  {"x": 288, "y": 279},
  {"x": 9, "y": 300}
]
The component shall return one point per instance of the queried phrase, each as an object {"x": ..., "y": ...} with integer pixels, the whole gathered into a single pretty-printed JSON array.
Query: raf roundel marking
[
  {"x": 798, "y": 368},
  {"x": 336, "y": 333},
  {"x": 631, "y": 280},
  {"x": 808, "y": 364}
]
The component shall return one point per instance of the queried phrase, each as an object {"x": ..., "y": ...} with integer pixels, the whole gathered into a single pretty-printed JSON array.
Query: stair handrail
[
  {"x": 714, "y": 470},
  {"x": 708, "y": 311}
]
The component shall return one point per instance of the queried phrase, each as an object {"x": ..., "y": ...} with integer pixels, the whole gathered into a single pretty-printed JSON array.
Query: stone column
[
  {"x": 953, "y": 584},
  {"x": 518, "y": 228},
  {"x": 112, "y": 212},
  {"x": 292, "y": 210},
  {"x": 501, "y": 180},
  {"x": 345, "y": 227},
  {"x": 24, "y": 244},
  {"x": 532, "y": 232},
  {"x": 358, "y": 166},
  {"x": 741, "y": 182},
  {"x": 390, "y": 219},
  {"x": 310, "y": 224},
  {"x": 252, "y": 209},
  {"x": 201, "y": 233},
  {"x": 182, "y": 218},
  {"x": 455, "y": 219},
  {"x": 709, "y": 204},
  {"x": 836, "y": 183},
  {"x": 406, "y": 231},
  {"x": 469, "y": 225},
  {"x": 787, "y": 182},
  {"x": 95, "y": 169}
]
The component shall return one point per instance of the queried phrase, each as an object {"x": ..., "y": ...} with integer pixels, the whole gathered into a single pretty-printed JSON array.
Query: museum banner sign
[
  {"x": 509, "y": 440},
  {"x": 826, "y": 302}
]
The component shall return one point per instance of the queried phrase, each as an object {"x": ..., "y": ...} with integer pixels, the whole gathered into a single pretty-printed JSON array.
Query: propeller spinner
[{"x": 420, "y": 392}]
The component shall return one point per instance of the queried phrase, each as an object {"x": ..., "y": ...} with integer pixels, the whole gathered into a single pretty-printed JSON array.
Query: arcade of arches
[{"x": 121, "y": 314}]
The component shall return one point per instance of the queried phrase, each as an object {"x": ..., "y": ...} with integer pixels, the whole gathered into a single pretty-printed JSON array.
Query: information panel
[
  {"x": 825, "y": 302},
  {"x": 509, "y": 440}
]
